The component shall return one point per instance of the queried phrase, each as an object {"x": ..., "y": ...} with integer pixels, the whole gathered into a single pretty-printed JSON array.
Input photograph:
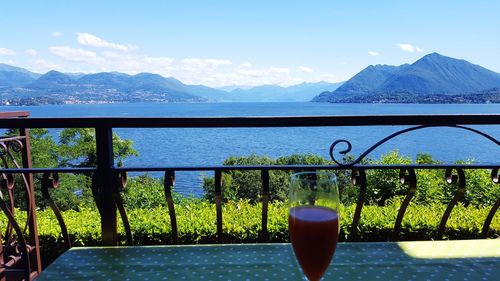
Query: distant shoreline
[{"x": 240, "y": 102}]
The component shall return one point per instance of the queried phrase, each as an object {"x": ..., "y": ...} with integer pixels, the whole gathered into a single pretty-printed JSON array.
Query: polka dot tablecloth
[{"x": 439, "y": 260}]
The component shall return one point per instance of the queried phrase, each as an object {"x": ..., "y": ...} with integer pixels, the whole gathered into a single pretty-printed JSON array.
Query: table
[{"x": 423, "y": 260}]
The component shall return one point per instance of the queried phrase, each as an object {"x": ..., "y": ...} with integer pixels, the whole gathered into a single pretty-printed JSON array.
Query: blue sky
[{"x": 220, "y": 43}]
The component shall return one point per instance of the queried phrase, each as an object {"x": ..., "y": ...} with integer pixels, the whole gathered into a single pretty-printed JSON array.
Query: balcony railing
[{"x": 108, "y": 179}]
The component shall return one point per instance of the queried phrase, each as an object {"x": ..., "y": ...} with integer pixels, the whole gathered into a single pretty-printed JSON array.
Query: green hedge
[
  {"x": 382, "y": 185},
  {"x": 242, "y": 224}
]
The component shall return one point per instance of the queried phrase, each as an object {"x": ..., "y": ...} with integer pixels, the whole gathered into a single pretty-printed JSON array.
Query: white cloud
[
  {"x": 11, "y": 62},
  {"x": 161, "y": 65},
  {"x": 73, "y": 54},
  {"x": 247, "y": 76},
  {"x": 7, "y": 52},
  {"x": 88, "y": 39},
  {"x": 214, "y": 72},
  {"x": 407, "y": 48},
  {"x": 31, "y": 52},
  {"x": 306, "y": 69},
  {"x": 202, "y": 67},
  {"x": 246, "y": 65},
  {"x": 217, "y": 62},
  {"x": 159, "y": 60},
  {"x": 373, "y": 53},
  {"x": 410, "y": 48},
  {"x": 56, "y": 34},
  {"x": 279, "y": 69},
  {"x": 204, "y": 63},
  {"x": 251, "y": 72},
  {"x": 43, "y": 65}
]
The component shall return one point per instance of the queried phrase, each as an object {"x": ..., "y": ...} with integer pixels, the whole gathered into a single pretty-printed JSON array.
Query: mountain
[
  {"x": 370, "y": 78},
  {"x": 11, "y": 76},
  {"x": 110, "y": 80},
  {"x": 210, "y": 94},
  {"x": 58, "y": 87},
  {"x": 275, "y": 93},
  {"x": 75, "y": 75},
  {"x": 438, "y": 74},
  {"x": 10, "y": 68},
  {"x": 53, "y": 81},
  {"x": 430, "y": 78},
  {"x": 155, "y": 83}
]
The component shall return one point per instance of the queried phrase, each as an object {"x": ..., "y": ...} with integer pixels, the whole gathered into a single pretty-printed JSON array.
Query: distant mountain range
[
  {"x": 22, "y": 87},
  {"x": 272, "y": 93},
  {"x": 432, "y": 79},
  {"x": 18, "y": 86}
]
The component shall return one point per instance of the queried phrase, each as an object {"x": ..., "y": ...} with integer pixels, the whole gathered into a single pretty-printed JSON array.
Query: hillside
[
  {"x": 275, "y": 93},
  {"x": 56, "y": 87},
  {"x": 11, "y": 76},
  {"x": 22, "y": 87},
  {"x": 430, "y": 79}
]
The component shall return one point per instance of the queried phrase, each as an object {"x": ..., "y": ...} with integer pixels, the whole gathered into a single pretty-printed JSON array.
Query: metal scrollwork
[
  {"x": 121, "y": 182},
  {"x": 406, "y": 177},
  {"x": 453, "y": 176},
  {"x": 7, "y": 181},
  {"x": 391, "y": 136},
  {"x": 51, "y": 181},
  {"x": 169, "y": 182},
  {"x": 20, "y": 247},
  {"x": 3, "y": 150},
  {"x": 495, "y": 177},
  {"x": 358, "y": 178},
  {"x": 16, "y": 145},
  {"x": 486, "y": 226}
]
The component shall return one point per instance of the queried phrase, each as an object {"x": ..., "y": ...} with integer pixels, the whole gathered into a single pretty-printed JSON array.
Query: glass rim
[{"x": 329, "y": 174}]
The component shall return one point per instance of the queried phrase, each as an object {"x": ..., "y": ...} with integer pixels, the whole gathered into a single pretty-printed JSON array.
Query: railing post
[
  {"x": 265, "y": 202},
  {"x": 36, "y": 260},
  {"x": 105, "y": 185},
  {"x": 168, "y": 185},
  {"x": 218, "y": 203}
]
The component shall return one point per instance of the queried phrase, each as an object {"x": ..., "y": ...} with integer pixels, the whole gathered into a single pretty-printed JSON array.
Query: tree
[
  {"x": 248, "y": 184},
  {"x": 76, "y": 147}
]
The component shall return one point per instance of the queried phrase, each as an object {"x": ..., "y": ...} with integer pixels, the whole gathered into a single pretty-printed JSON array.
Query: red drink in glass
[{"x": 314, "y": 232}]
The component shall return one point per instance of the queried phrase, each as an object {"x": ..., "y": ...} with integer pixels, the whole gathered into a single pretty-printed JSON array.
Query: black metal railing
[{"x": 109, "y": 180}]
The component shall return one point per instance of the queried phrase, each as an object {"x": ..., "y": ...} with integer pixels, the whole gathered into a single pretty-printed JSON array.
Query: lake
[{"x": 189, "y": 147}]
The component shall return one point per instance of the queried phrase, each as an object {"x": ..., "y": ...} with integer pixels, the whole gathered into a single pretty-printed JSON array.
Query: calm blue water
[{"x": 188, "y": 147}]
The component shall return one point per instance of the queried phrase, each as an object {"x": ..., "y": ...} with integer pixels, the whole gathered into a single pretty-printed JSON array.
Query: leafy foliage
[
  {"x": 382, "y": 185},
  {"x": 248, "y": 184},
  {"x": 76, "y": 148},
  {"x": 146, "y": 192},
  {"x": 242, "y": 224}
]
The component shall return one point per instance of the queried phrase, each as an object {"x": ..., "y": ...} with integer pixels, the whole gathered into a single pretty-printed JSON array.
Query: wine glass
[{"x": 313, "y": 220}]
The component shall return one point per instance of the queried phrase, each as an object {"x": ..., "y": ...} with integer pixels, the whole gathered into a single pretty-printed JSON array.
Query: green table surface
[{"x": 422, "y": 260}]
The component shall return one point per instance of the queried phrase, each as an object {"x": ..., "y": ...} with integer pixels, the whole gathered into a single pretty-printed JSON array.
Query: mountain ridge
[
  {"x": 58, "y": 87},
  {"x": 271, "y": 93},
  {"x": 432, "y": 77}
]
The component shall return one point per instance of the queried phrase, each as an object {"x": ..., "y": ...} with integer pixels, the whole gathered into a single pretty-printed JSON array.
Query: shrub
[
  {"x": 242, "y": 224},
  {"x": 248, "y": 184},
  {"x": 382, "y": 185}
]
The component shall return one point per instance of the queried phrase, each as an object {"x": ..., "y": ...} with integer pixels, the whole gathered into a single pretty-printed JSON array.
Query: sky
[{"x": 246, "y": 43}]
